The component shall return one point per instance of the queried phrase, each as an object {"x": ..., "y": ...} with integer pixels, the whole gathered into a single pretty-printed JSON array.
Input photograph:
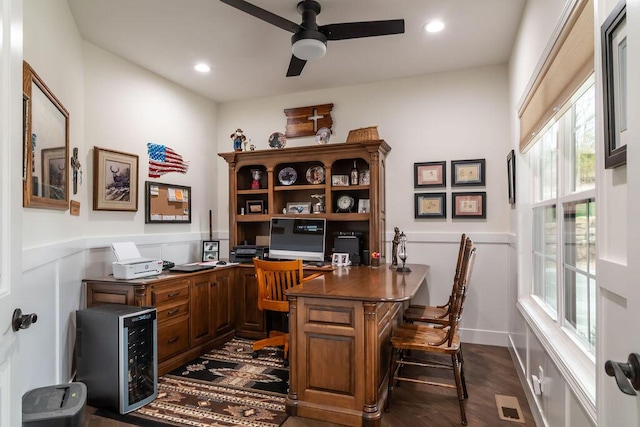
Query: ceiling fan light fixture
[{"x": 309, "y": 45}]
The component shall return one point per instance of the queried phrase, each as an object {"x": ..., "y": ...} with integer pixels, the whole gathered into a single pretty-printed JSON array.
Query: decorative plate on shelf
[
  {"x": 277, "y": 140},
  {"x": 323, "y": 135},
  {"x": 287, "y": 176},
  {"x": 315, "y": 175}
]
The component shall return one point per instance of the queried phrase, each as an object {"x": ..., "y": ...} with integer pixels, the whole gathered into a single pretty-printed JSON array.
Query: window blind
[{"x": 569, "y": 63}]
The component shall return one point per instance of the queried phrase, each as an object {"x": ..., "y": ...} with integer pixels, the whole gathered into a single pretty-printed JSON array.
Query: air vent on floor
[{"x": 509, "y": 408}]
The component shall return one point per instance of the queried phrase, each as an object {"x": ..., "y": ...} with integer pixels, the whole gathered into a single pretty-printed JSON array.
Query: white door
[
  {"x": 618, "y": 268},
  {"x": 10, "y": 204}
]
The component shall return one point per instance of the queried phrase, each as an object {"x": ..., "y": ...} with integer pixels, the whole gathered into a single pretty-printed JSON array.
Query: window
[
  {"x": 579, "y": 270},
  {"x": 562, "y": 162}
]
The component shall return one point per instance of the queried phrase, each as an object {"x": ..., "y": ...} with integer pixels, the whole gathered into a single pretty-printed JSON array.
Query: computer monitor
[{"x": 296, "y": 238}]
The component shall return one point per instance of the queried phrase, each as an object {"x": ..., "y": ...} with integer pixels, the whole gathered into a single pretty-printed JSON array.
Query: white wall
[
  {"x": 558, "y": 405},
  {"x": 126, "y": 107},
  {"x": 112, "y": 104},
  {"x": 117, "y": 105},
  {"x": 53, "y": 47},
  {"x": 446, "y": 116}
]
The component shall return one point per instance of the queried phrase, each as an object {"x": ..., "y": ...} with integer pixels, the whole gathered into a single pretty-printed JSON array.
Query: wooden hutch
[{"x": 246, "y": 222}]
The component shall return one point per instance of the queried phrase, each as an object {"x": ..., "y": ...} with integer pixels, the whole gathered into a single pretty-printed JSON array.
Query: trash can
[{"x": 61, "y": 405}]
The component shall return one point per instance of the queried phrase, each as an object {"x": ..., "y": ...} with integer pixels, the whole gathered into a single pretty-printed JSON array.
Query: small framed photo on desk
[
  {"x": 211, "y": 250},
  {"x": 340, "y": 259}
]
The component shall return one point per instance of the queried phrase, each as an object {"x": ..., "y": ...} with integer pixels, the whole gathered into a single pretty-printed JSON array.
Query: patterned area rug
[{"x": 225, "y": 387}]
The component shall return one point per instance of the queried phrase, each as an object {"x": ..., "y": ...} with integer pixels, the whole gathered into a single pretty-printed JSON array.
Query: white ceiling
[{"x": 249, "y": 57}]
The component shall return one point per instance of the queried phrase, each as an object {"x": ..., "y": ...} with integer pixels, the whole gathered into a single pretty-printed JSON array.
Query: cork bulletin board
[{"x": 167, "y": 203}]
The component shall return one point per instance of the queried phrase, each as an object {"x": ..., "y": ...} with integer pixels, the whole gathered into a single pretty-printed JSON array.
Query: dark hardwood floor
[{"x": 489, "y": 370}]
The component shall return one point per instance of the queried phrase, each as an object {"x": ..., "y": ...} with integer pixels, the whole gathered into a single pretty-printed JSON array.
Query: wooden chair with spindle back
[
  {"x": 274, "y": 278},
  {"x": 411, "y": 341},
  {"x": 437, "y": 314}
]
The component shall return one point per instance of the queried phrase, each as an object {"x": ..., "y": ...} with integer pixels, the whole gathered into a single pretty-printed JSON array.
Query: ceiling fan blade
[
  {"x": 264, "y": 15},
  {"x": 355, "y": 30},
  {"x": 295, "y": 66}
]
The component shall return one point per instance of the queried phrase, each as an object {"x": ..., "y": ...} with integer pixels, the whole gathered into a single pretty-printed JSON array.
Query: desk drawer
[
  {"x": 173, "y": 311},
  {"x": 168, "y": 293},
  {"x": 173, "y": 337}
]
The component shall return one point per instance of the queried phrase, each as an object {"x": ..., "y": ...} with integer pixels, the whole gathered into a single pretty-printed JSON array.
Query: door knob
[
  {"x": 22, "y": 321},
  {"x": 625, "y": 373}
]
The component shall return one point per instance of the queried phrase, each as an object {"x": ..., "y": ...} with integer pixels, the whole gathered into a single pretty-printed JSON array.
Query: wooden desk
[
  {"x": 340, "y": 325},
  {"x": 195, "y": 311}
]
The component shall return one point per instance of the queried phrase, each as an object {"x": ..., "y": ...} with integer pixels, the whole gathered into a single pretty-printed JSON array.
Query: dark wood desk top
[
  {"x": 365, "y": 283},
  {"x": 354, "y": 283}
]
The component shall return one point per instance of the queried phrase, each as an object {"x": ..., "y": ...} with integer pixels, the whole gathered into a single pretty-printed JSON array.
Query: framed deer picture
[{"x": 115, "y": 180}]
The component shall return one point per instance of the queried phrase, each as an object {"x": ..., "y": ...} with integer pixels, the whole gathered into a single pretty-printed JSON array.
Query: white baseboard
[{"x": 477, "y": 336}]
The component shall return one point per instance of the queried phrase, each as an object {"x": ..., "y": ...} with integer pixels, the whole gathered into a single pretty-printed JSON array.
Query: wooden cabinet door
[
  {"x": 212, "y": 306},
  {"x": 250, "y": 320},
  {"x": 202, "y": 310},
  {"x": 222, "y": 301}
]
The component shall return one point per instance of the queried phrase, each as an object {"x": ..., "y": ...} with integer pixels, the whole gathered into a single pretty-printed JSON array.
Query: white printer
[{"x": 130, "y": 265}]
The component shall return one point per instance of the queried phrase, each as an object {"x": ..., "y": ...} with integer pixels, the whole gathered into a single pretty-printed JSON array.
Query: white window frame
[{"x": 557, "y": 336}]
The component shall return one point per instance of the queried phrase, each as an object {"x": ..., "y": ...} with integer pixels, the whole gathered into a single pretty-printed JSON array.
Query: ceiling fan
[{"x": 309, "y": 41}]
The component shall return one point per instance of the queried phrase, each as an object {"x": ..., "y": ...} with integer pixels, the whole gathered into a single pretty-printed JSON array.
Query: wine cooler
[{"x": 116, "y": 356}]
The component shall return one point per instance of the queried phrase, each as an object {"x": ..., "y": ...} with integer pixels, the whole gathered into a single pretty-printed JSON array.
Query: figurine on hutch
[
  {"x": 394, "y": 247},
  {"x": 238, "y": 138},
  {"x": 256, "y": 174}
]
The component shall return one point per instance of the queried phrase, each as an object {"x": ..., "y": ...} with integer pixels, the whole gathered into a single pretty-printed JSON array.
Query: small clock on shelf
[{"x": 345, "y": 203}]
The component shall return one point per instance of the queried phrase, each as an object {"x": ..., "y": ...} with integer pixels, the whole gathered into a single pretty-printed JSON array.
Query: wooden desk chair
[
  {"x": 275, "y": 277},
  {"x": 438, "y": 314},
  {"x": 411, "y": 341}
]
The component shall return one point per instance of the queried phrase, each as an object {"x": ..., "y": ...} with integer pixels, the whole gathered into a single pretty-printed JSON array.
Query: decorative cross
[
  {"x": 306, "y": 121},
  {"x": 315, "y": 117},
  {"x": 77, "y": 171}
]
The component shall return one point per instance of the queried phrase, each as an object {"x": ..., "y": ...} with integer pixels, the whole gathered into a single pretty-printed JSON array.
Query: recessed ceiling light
[
  {"x": 203, "y": 68},
  {"x": 434, "y": 26}
]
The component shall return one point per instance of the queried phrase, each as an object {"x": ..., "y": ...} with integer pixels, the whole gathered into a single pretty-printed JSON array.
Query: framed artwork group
[{"x": 464, "y": 205}]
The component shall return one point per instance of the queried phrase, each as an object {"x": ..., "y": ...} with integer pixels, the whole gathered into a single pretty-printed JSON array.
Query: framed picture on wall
[
  {"x": 511, "y": 176},
  {"x": 467, "y": 173},
  {"x": 469, "y": 205},
  {"x": 429, "y": 174},
  {"x": 430, "y": 205},
  {"x": 615, "y": 90},
  {"x": 115, "y": 180}
]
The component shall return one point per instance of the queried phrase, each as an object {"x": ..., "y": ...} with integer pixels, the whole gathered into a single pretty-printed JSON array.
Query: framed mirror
[{"x": 45, "y": 146}]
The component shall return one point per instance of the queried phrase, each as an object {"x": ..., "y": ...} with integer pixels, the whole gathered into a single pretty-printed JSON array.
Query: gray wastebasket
[{"x": 61, "y": 405}]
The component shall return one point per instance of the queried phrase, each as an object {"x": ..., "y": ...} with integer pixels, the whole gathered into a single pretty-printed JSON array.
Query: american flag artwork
[{"x": 163, "y": 160}]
